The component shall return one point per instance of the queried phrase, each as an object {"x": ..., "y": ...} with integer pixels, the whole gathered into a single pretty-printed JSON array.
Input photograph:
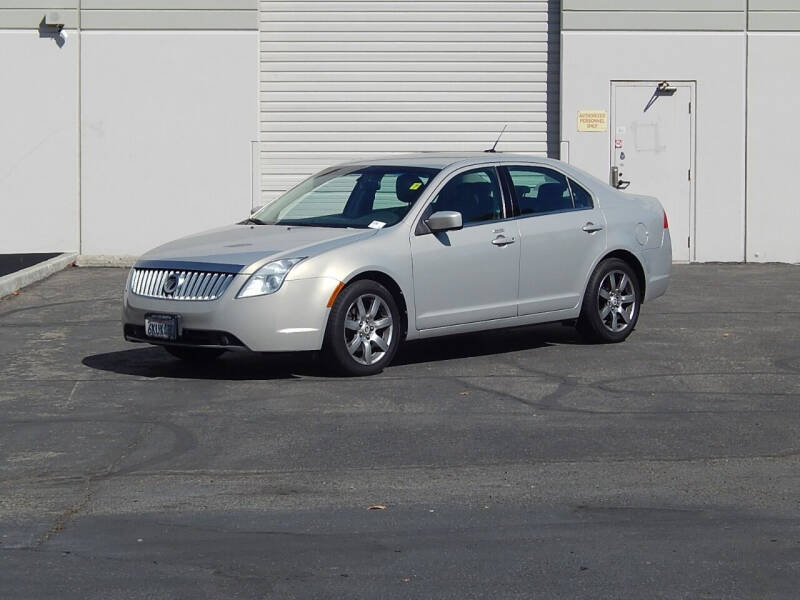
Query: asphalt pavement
[{"x": 510, "y": 464}]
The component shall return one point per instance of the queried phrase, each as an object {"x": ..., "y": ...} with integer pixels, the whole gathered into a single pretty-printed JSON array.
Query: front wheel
[
  {"x": 611, "y": 303},
  {"x": 363, "y": 331}
]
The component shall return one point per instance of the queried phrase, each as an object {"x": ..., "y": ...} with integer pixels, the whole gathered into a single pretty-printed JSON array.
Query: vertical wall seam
[
  {"x": 80, "y": 134},
  {"x": 746, "y": 120},
  {"x": 561, "y": 132}
]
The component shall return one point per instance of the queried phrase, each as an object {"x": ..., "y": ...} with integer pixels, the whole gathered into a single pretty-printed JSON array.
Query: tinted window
[
  {"x": 540, "y": 190},
  {"x": 475, "y": 194},
  {"x": 350, "y": 197},
  {"x": 580, "y": 196}
]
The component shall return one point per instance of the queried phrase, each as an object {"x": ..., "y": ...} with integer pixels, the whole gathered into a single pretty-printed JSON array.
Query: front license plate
[{"x": 162, "y": 327}]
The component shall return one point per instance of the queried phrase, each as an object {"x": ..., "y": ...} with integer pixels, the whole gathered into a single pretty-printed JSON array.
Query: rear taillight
[{"x": 666, "y": 223}]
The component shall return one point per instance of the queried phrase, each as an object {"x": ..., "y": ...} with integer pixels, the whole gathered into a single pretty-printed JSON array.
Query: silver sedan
[{"x": 364, "y": 255}]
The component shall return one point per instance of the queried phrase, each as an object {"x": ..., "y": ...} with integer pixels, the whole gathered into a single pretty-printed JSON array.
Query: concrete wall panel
[
  {"x": 773, "y": 154},
  {"x": 591, "y": 60},
  {"x": 653, "y": 21},
  {"x": 168, "y": 120},
  {"x": 775, "y": 20},
  {"x": 38, "y": 153},
  {"x": 132, "y": 14},
  {"x": 654, "y": 15}
]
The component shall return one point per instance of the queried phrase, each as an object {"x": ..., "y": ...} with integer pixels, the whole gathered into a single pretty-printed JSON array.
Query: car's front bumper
[{"x": 291, "y": 319}]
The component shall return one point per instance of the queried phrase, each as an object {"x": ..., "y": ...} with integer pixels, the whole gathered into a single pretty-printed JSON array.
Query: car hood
[{"x": 236, "y": 247}]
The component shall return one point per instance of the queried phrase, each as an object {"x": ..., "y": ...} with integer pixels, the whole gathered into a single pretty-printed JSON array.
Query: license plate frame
[{"x": 162, "y": 327}]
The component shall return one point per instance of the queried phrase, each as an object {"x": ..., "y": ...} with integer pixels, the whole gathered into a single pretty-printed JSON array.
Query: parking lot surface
[{"x": 511, "y": 464}]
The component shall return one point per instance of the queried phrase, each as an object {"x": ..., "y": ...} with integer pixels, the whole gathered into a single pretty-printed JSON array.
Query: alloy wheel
[
  {"x": 616, "y": 301},
  {"x": 368, "y": 329}
]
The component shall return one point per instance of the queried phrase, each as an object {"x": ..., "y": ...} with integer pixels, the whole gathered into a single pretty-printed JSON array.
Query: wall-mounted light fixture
[
  {"x": 665, "y": 88},
  {"x": 50, "y": 27}
]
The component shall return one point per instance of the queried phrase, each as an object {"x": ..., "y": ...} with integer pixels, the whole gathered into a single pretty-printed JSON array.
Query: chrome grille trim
[{"x": 193, "y": 285}]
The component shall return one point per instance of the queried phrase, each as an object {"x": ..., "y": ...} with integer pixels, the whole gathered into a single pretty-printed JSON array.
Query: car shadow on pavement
[
  {"x": 485, "y": 343},
  {"x": 151, "y": 361}
]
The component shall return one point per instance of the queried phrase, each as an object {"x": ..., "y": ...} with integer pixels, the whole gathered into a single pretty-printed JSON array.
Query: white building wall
[
  {"x": 169, "y": 100},
  {"x": 38, "y": 142},
  {"x": 743, "y": 56},
  {"x": 168, "y": 121},
  {"x": 773, "y": 147},
  {"x": 715, "y": 60},
  {"x": 168, "y": 103}
]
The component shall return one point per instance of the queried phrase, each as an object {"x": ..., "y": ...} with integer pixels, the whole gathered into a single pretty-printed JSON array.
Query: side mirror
[{"x": 444, "y": 220}]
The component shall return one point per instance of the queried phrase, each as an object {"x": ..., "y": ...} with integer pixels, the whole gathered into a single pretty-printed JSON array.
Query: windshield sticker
[
  {"x": 377, "y": 225},
  {"x": 415, "y": 186}
]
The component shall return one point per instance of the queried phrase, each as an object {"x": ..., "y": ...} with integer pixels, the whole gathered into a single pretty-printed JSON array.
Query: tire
[
  {"x": 362, "y": 337},
  {"x": 194, "y": 355},
  {"x": 611, "y": 303}
]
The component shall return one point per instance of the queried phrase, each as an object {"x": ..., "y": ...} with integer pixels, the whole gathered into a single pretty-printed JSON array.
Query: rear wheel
[
  {"x": 195, "y": 355},
  {"x": 363, "y": 331},
  {"x": 611, "y": 303}
]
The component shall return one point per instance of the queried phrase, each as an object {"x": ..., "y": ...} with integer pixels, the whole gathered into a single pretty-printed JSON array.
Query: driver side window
[{"x": 475, "y": 194}]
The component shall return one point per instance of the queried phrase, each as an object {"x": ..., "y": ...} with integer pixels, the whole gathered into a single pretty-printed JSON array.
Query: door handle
[
  {"x": 502, "y": 240},
  {"x": 617, "y": 181},
  {"x": 591, "y": 227}
]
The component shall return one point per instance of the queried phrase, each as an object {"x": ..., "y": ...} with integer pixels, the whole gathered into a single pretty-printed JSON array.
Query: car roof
[{"x": 441, "y": 160}]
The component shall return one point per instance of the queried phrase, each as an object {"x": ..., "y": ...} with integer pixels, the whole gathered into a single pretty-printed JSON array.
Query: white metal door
[{"x": 652, "y": 145}]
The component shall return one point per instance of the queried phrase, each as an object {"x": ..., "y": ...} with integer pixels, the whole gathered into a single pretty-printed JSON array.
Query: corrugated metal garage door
[{"x": 343, "y": 80}]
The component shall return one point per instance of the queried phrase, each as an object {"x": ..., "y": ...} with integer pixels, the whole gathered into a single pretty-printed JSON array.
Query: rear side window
[
  {"x": 580, "y": 196},
  {"x": 540, "y": 190}
]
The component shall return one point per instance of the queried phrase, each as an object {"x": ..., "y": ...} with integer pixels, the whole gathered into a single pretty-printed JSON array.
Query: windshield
[{"x": 361, "y": 197}]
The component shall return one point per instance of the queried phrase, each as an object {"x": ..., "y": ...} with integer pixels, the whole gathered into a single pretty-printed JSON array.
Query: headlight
[{"x": 268, "y": 279}]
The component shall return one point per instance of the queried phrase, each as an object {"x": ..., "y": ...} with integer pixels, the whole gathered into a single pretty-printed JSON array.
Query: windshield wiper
[
  {"x": 301, "y": 223},
  {"x": 253, "y": 221}
]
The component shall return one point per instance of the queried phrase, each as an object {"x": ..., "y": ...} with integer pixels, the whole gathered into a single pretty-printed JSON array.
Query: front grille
[{"x": 190, "y": 285}]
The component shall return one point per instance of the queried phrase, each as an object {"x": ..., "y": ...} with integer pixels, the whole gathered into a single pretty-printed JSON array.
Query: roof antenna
[{"x": 498, "y": 139}]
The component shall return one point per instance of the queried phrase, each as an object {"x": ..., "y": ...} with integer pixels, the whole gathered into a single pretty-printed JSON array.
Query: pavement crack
[
  {"x": 55, "y": 304},
  {"x": 63, "y": 520},
  {"x": 34, "y": 324},
  {"x": 549, "y": 402}
]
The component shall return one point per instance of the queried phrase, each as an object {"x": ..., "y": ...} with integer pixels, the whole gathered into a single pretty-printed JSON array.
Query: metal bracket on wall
[{"x": 52, "y": 30}]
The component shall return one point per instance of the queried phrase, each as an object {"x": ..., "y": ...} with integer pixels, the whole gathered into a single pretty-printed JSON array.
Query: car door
[
  {"x": 561, "y": 235},
  {"x": 471, "y": 274}
]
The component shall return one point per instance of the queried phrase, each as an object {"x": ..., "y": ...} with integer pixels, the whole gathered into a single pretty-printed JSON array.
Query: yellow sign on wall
[{"x": 592, "y": 120}]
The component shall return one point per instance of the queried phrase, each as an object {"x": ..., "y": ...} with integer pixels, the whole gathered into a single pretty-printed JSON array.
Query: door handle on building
[{"x": 617, "y": 181}]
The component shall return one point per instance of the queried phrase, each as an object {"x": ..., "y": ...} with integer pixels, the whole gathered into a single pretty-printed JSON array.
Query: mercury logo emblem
[{"x": 170, "y": 284}]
